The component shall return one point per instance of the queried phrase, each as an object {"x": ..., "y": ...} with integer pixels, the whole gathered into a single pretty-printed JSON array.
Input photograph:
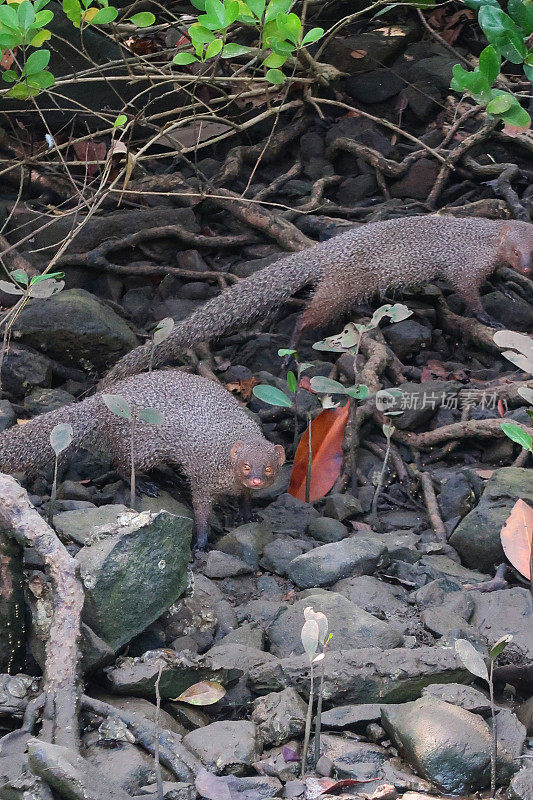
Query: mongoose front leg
[
  {"x": 246, "y": 506},
  {"x": 472, "y": 299},
  {"x": 202, "y": 509}
]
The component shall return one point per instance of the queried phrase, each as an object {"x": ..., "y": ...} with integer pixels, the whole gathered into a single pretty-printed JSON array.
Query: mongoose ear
[
  {"x": 280, "y": 452},
  {"x": 236, "y": 449}
]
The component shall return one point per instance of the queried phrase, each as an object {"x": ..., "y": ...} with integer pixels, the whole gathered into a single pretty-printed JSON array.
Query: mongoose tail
[
  {"x": 204, "y": 431},
  {"x": 352, "y": 267}
]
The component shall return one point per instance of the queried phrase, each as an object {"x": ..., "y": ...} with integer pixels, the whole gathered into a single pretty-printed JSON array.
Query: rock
[
  {"x": 163, "y": 502},
  {"x": 352, "y": 759},
  {"x": 80, "y": 525},
  {"x": 288, "y": 515},
  {"x": 7, "y": 415},
  {"x": 24, "y": 370},
  {"x": 226, "y": 746},
  {"x": 279, "y": 716},
  {"x": 222, "y": 565},
  {"x": 76, "y": 329},
  {"x": 374, "y": 87},
  {"x": 521, "y": 786},
  {"x": 326, "y": 530},
  {"x": 510, "y": 311},
  {"x": 76, "y": 491},
  {"x": 430, "y": 568},
  {"x": 124, "y": 763},
  {"x": 235, "y": 657},
  {"x": 134, "y": 573},
  {"x": 368, "y": 675},
  {"x": 172, "y": 790},
  {"x": 417, "y": 182},
  {"x": 355, "y": 188},
  {"x": 42, "y": 400},
  {"x": 352, "y": 717},
  {"x": 249, "y": 634},
  {"x": 365, "y": 51},
  {"x": 246, "y": 542},
  {"x": 457, "y": 496},
  {"x": 407, "y": 337},
  {"x": 510, "y": 732},
  {"x": 278, "y": 554},
  {"x": 525, "y": 714},
  {"x": 445, "y": 744},
  {"x": 341, "y": 506},
  {"x": 423, "y": 99},
  {"x": 351, "y": 626},
  {"x": 497, "y": 614},
  {"x": 16, "y": 692},
  {"x": 440, "y": 621},
  {"x": 419, "y": 402},
  {"x": 477, "y": 537},
  {"x": 142, "y": 710},
  {"x": 457, "y": 694},
  {"x": 70, "y": 775},
  {"x": 357, "y": 555},
  {"x": 373, "y": 595}
]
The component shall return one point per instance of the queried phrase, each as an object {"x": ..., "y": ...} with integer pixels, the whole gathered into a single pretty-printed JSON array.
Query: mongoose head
[
  {"x": 256, "y": 463},
  {"x": 516, "y": 247}
]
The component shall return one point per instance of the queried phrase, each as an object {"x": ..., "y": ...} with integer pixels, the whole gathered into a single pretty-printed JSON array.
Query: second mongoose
[
  {"x": 205, "y": 431},
  {"x": 350, "y": 268}
]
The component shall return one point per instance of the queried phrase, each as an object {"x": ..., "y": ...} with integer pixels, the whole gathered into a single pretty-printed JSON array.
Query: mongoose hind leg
[{"x": 323, "y": 307}]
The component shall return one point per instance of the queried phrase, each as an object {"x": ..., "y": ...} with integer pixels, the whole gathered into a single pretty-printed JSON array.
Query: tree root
[{"x": 480, "y": 428}]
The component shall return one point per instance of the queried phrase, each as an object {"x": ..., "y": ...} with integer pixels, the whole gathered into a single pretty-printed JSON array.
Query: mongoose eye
[
  {"x": 246, "y": 468},
  {"x": 268, "y": 469}
]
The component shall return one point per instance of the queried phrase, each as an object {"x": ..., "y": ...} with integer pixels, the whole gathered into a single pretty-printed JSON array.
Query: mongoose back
[
  {"x": 352, "y": 267},
  {"x": 205, "y": 431}
]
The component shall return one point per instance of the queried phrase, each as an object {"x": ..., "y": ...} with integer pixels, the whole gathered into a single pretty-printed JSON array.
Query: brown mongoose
[
  {"x": 205, "y": 431},
  {"x": 349, "y": 268}
]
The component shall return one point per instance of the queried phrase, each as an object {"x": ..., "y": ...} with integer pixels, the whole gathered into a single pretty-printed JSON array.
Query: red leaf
[
  {"x": 319, "y": 786},
  {"x": 501, "y": 409},
  {"x": 516, "y": 537},
  {"x": 91, "y": 151},
  {"x": 327, "y": 432}
]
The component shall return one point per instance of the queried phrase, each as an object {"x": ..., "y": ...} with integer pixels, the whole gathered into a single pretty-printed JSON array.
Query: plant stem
[
  {"x": 308, "y": 721},
  {"x": 132, "y": 456},
  {"x": 53, "y": 494},
  {"x": 353, "y": 453},
  {"x": 151, "y": 361},
  {"x": 318, "y": 718},
  {"x": 309, "y": 462},
  {"x": 373, "y": 513},
  {"x": 494, "y": 753},
  {"x": 158, "y": 776}
]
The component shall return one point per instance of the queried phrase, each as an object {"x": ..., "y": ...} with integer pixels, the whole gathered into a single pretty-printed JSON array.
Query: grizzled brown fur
[
  {"x": 349, "y": 268},
  {"x": 205, "y": 431}
]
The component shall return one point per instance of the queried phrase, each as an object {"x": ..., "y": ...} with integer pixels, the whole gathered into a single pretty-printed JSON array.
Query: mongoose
[
  {"x": 349, "y": 268},
  {"x": 205, "y": 431}
]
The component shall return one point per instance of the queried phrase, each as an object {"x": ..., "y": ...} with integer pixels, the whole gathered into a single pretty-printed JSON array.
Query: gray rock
[
  {"x": 445, "y": 744},
  {"x": 124, "y": 763},
  {"x": 81, "y": 524},
  {"x": 76, "y": 329},
  {"x": 326, "y": 530},
  {"x": 134, "y": 573},
  {"x": 440, "y": 621},
  {"x": 355, "y": 188},
  {"x": 373, "y": 595},
  {"x": 341, "y": 506},
  {"x": 373, "y": 48},
  {"x": 222, "y": 565},
  {"x": 172, "y": 790},
  {"x": 226, "y": 746},
  {"x": 24, "y": 370},
  {"x": 352, "y": 627},
  {"x": 76, "y": 491},
  {"x": 278, "y": 554},
  {"x": 457, "y": 694},
  {"x": 246, "y": 542},
  {"x": 279, "y": 716},
  {"x": 521, "y": 787},
  {"x": 42, "y": 400},
  {"x": 430, "y": 568},
  {"x": 352, "y": 759},
  {"x": 457, "y": 496},
  {"x": 401, "y": 545},
  {"x": 352, "y": 717},
  {"x": 525, "y": 714},
  {"x": 70, "y": 775},
  {"x": 420, "y": 401},
  {"x": 374, "y": 87},
  {"x": 510, "y": 732},
  {"x": 248, "y": 634},
  {"x": 506, "y": 611},
  {"x": 510, "y": 311},
  {"x": 7, "y": 415},
  {"x": 235, "y": 657},
  {"x": 407, "y": 337},
  {"x": 288, "y": 515},
  {"x": 357, "y": 555},
  {"x": 477, "y": 537},
  {"x": 163, "y": 502},
  {"x": 369, "y": 675}
]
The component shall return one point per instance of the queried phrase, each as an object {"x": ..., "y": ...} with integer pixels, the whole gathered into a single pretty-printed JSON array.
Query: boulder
[
  {"x": 356, "y": 555},
  {"x": 279, "y": 716},
  {"x": 228, "y": 746}
]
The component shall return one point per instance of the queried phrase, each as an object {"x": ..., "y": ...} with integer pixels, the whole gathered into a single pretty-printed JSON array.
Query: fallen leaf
[
  {"x": 203, "y": 693},
  {"x": 8, "y": 57},
  {"x": 515, "y": 130},
  {"x": 358, "y": 53},
  {"x": 484, "y": 473},
  {"x": 501, "y": 408},
  {"x": 327, "y": 432},
  {"x": 318, "y": 786},
  {"x": 243, "y": 387},
  {"x": 91, "y": 151},
  {"x": 516, "y": 537}
]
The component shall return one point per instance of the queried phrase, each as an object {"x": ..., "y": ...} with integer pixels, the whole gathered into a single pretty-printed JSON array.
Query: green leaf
[
  {"x": 287, "y": 351},
  {"x": 21, "y": 92},
  {"x": 41, "y": 80},
  {"x": 48, "y": 277},
  {"x": 25, "y": 15},
  {"x": 528, "y": 71},
  {"x": 231, "y": 12},
  {"x": 214, "y": 48},
  {"x": 280, "y": 46},
  {"x": 199, "y": 4},
  {"x": 292, "y": 383},
  {"x": 151, "y": 415},
  {"x": 163, "y": 330},
  {"x": 61, "y": 437},
  {"x": 517, "y": 116},
  {"x": 313, "y": 35},
  {"x": 272, "y": 395},
  {"x": 231, "y": 50},
  {"x": 215, "y": 10},
  {"x": 144, "y": 19},
  {"x": 359, "y": 392},
  {"x": 516, "y": 434},
  {"x": 522, "y": 13},
  {"x": 500, "y": 103},
  {"x": 9, "y": 76},
  {"x": 9, "y": 18},
  {"x": 199, "y": 33},
  {"x": 290, "y": 26},
  {"x": 117, "y": 405},
  {"x": 40, "y": 4},
  {"x": 120, "y": 121},
  {"x": 105, "y": 16},
  {"x": 257, "y": 7},
  {"x": 472, "y": 660},
  {"x": 326, "y": 385},
  {"x": 474, "y": 83},
  {"x": 276, "y": 7},
  {"x": 476, "y": 4},
  {"x": 489, "y": 63},
  {"x": 43, "y": 18},
  {"x": 182, "y": 59},
  {"x": 20, "y": 276},
  {"x": 275, "y": 76},
  {"x": 499, "y": 646},
  {"x": 40, "y": 38},
  {"x": 8, "y": 41},
  {"x": 502, "y": 32},
  {"x": 274, "y": 60},
  {"x": 36, "y": 62},
  {"x": 72, "y": 9}
]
